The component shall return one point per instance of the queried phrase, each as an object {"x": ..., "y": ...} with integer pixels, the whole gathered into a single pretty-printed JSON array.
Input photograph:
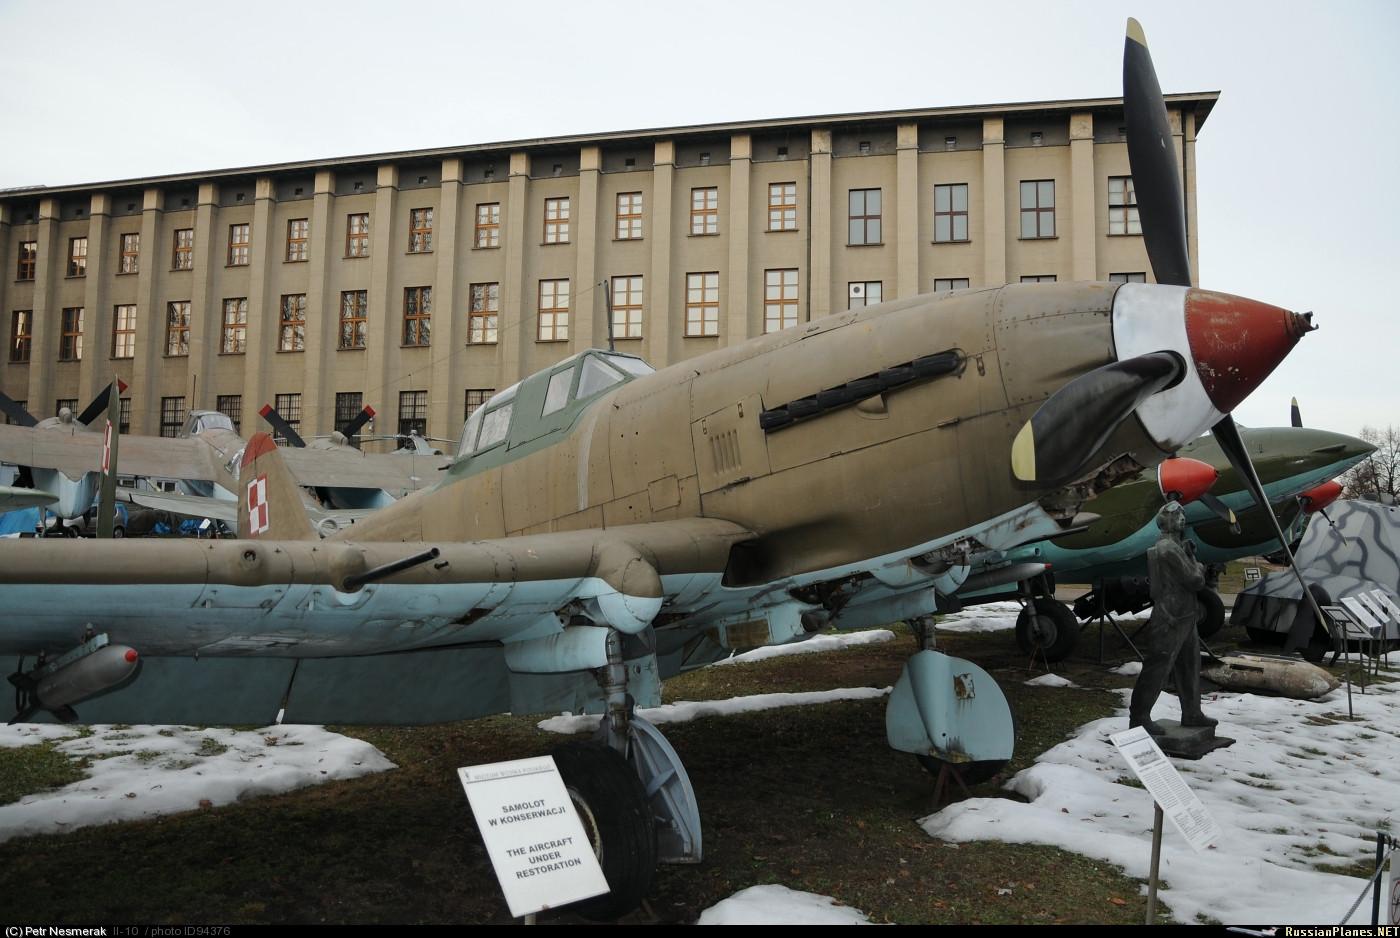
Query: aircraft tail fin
[{"x": 270, "y": 505}]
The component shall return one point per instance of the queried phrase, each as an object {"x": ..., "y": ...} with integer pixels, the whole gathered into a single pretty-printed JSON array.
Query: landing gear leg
[{"x": 1046, "y": 627}]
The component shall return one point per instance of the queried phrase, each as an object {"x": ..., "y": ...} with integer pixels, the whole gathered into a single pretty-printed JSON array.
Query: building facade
[{"x": 420, "y": 282}]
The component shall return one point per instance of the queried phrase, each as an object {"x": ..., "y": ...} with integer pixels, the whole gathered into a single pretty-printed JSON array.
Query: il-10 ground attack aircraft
[
  {"x": 604, "y": 526},
  {"x": 1295, "y": 465},
  {"x": 62, "y": 457}
]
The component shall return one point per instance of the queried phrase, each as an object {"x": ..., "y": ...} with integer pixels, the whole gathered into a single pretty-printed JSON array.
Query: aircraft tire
[
  {"x": 1212, "y": 612},
  {"x": 1054, "y": 630},
  {"x": 613, "y": 807}
]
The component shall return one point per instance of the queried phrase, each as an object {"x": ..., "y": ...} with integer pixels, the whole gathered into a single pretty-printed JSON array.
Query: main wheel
[
  {"x": 1047, "y": 627},
  {"x": 613, "y": 807},
  {"x": 1212, "y": 612}
]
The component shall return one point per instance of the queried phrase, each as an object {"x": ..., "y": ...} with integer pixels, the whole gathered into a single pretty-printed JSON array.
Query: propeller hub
[
  {"x": 1185, "y": 479},
  {"x": 1320, "y": 496},
  {"x": 1236, "y": 342}
]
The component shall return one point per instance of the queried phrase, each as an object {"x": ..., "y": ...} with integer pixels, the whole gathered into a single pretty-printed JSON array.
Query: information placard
[
  {"x": 1386, "y": 603},
  {"x": 532, "y": 833},
  {"x": 1361, "y": 614},
  {"x": 1166, "y": 786}
]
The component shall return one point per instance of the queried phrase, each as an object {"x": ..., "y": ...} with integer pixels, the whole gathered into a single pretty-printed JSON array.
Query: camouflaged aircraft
[{"x": 604, "y": 525}]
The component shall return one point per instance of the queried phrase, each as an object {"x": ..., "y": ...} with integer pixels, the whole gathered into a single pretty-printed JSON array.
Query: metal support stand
[
  {"x": 942, "y": 789},
  {"x": 1156, "y": 863},
  {"x": 1101, "y": 616}
]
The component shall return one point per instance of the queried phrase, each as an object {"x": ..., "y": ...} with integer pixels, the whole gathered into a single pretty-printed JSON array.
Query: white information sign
[
  {"x": 532, "y": 833},
  {"x": 1386, "y": 603},
  {"x": 1166, "y": 786},
  {"x": 1362, "y": 614},
  {"x": 1251, "y": 574},
  {"x": 1378, "y": 611}
]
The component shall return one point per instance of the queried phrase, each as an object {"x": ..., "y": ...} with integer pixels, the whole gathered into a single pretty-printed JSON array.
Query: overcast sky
[{"x": 1298, "y": 190}]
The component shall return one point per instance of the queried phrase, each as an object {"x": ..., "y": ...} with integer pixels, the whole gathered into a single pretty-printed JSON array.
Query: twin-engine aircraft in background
[{"x": 604, "y": 526}]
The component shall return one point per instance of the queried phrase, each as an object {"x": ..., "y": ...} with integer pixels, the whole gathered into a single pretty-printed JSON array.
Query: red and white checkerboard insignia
[{"x": 259, "y": 517}]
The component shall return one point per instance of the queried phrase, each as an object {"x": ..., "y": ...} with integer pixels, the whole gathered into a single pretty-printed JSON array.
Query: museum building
[{"x": 420, "y": 282}]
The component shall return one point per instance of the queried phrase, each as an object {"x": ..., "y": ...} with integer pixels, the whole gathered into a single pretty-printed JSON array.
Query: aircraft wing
[
  {"x": 12, "y": 498},
  {"x": 191, "y": 506},
  {"x": 231, "y": 631},
  {"x": 396, "y": 474},
  {"x": 75, "y": 452}
]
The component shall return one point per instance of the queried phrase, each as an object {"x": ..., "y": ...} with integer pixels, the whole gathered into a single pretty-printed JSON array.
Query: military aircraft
[
  {"x": 1295, "y": 464},
  {"x": 62, "y": 457},
  {"x": 604, "y": 525}
]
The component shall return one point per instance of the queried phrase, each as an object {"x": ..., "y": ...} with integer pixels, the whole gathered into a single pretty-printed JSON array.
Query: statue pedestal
[{"x": 1189, "y": 742}]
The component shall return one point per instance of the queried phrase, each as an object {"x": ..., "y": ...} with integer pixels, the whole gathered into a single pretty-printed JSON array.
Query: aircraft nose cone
[{"x": 1238, "y": 342}]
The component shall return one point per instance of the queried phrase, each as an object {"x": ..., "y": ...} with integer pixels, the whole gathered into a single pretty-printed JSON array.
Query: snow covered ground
[
  {"x": 990, "y": 617},
  {"x": 686, "y": 710},
  {"x": 143, "y": 771},
  {"x": 779, "y": 905},
  {"x": 1296, "y": 796},
  {"x": 816, "y": 643}
]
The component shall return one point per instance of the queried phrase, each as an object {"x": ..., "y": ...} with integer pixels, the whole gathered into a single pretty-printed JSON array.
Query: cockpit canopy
[
  {"x": 201, "y": 420},
  {"x": 546, "y": 401}
]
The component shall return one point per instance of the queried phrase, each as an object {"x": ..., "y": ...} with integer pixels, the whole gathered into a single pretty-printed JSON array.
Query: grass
[
  {"x": 810, "y": 797},
  {"x": 28, "y": 770}
]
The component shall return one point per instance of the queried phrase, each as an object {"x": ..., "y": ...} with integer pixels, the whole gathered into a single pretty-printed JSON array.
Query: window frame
[
  {"x": 240, "y": 252},
  {"x": 130, "y": 247},
  {"x": 359, "y": 324},
  {"x": 420, "y": 230},
  {"x": 488, "y": 230},
  {"x": 631, "y": 306},
  {"x": 298, "y": 238},
  {"x": 417, "y": 317},
  {"x": 557, "y": 216},
  {"x": 952, "y": 213},
  {"x": 224, "y": 403},
  {"x": 288, "y": 407},
  {"x": 182, "y": 255},
  {"x": 172, "y": 415},
  {"x": 628, "y": 216},
  {"x": 865, "y": 219},
  {"x": 781, "y": 302},
  {"x": 698, "y": 312},
  {"x": 292, "y": 341},
  {"x": 356, "y": 241},
  {"x": 559, "y": 315},
  {"x": 484, "y": 307},
  {"x": 704, "y": 214},
  {"x": 236, "y": 329},
  {"x": 1123, "y": 212},
  {"x": 415, "y": 400},
  {"x": 879, "y": 286},
  {"x": 77, "y": 256},
  {"x": 70, "y": 342},
  {"x": 952, "y": 284},
  {"x": 27, "y": 259},
  {"x": 780, "y": 208},
  {"x": 1038, "y": 211},
  {"x": 123, "y": 339},
  {"x": 177, "y": 330},
  {"x": 21, "y": 336}
]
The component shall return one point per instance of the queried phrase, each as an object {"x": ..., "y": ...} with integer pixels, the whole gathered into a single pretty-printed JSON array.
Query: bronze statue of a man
[{"x": 1172, "y": 644}]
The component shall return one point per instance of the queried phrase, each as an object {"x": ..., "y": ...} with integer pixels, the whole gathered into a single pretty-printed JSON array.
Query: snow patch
[
  {"x": 779, "y": 905},
  {"x": 1297, "y": 795},
  {"x": 991, "y": 617},
  {"x": 1129, "y": 668},
  {"x": 1050, "y": 680},
  {"x": 817, "y": 643},
  {"x": 686, "y": 710},
  {"x": 140, "y": 772}
]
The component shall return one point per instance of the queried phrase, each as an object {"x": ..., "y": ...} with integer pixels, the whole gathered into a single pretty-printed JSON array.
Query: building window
[
  {"x": 69, "y": 404},
  {"x": 238, "y": 245},
  {"x": 556, "y": 221},
  {"x": 124, "y": 332},
  {"x": 554, "y": 311},
  {"x": 348, "y": 405},
  {"x": 413, "y": 412},
  {"x": 950, "y": 212},
  {"x": 484, "y": 313},
  {"x": 131, "y": 253},
  {"x": 420, "y": 230},
  {"x": 77, "y": 257},
  {"x": 417, "y": 315},
  {"x": 353, "y": 318},
  {"x": 293, "y": 335},
  {"x": 702, "y": 304},
  {"x": 704, "y": 211},
  {"x": 183, "y": 258},
  {"x": 779, "y": 299},
  {"x": 864, "y": 217},
  {"x": 629, "y": 216},
  {"x": 1122, "y": 207},
  {"x": 476, "y": 397},
  {"x": 944, "y": 284},
  {"x": 357, "y": 235},
  {"x": 1038, "y": 278},
  {"x": 21, "y": 334},
  {"x": 298, "y": 229},
  {"x": 864, "y": 293},
  {"x": 1132, "y": 277},
  {"x": 124, "y": 416},
  {"x": 627, "y": 307},
  {"x": 1038, "y": 208},
  {"x": 172, "y": 415},
  {"x": 782, "y": 206},
  {"x": 177, "y": 328},
  {"x": 289, "y": 408},
  {"x": 488, "y": 225},
  {"x": 28, "y": 260},
  {"x": 70, "y": 345},
  {"x": 10, "y": 421},
  {"x": 235, "y": 333},
  {"x": 231, "y": 406}
]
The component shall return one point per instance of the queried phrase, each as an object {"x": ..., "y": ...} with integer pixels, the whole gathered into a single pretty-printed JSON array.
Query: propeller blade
[
  {"x": 1061, "y": 438},
  {"x": 360, "y": 419},
  {"x": 18, "y": 414},
  {"x": 1221, "y": 510},
  {"x": 1228, "y": 436},
  {"x": 283, "y": 428},
  {"x": 99, "y": 403},
  {"x": 1152, "y": 157},
  {"x": 1296, "y": 414}
]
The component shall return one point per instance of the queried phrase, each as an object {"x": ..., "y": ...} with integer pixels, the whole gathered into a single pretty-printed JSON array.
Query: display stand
[{"x": 1102, "y": 616}]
